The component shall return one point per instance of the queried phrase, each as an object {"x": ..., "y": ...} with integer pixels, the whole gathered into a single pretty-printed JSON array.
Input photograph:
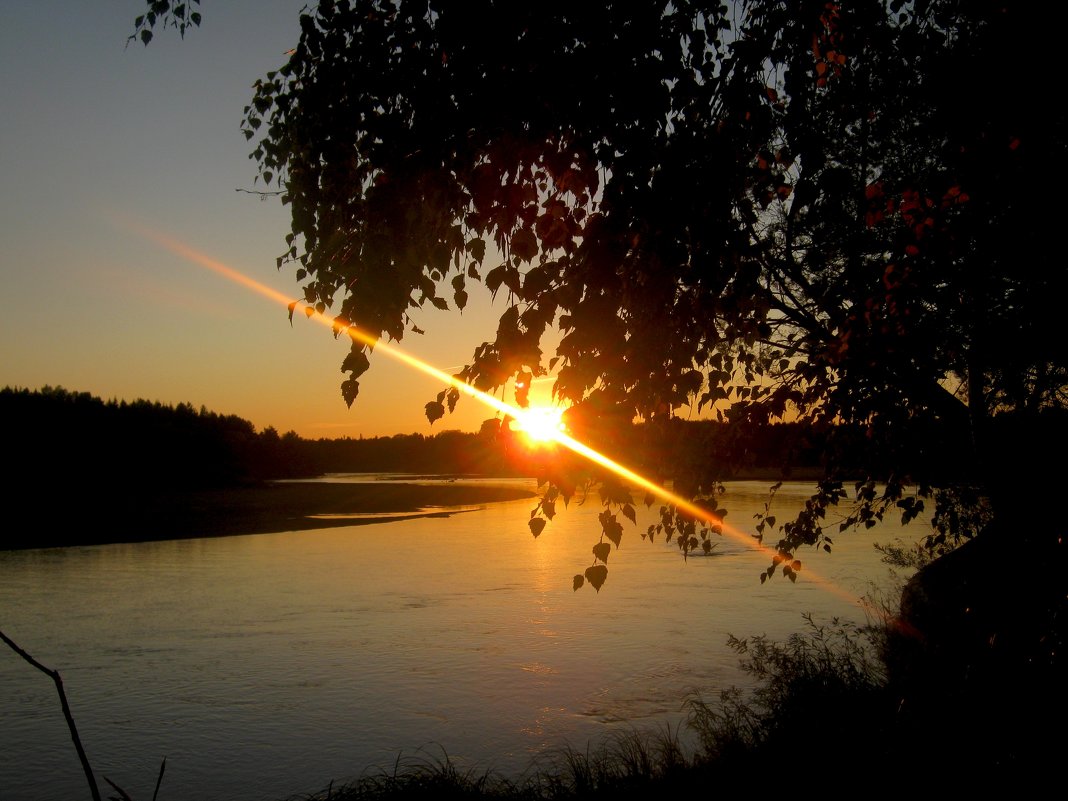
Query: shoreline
[
  {"x": 97, "y": 519},
  {"x": 80, "y": 515}
]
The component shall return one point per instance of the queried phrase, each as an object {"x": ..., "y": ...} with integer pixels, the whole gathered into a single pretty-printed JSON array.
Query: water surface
[{"x": 268, "y": 665}]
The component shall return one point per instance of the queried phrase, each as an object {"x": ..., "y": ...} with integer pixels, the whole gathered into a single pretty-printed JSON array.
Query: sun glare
[{"x": 541, "y": 424}]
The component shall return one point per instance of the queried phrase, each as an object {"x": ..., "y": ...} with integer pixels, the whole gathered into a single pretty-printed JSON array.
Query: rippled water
[{"x": 264, "y": 666}]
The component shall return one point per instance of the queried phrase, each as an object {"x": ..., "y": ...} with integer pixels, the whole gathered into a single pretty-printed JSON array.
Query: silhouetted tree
[{"x": 776, "y": 209}]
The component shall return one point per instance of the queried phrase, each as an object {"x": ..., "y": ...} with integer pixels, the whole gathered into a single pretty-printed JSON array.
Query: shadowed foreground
[
  {"x": 825, "y": 713},
  {"x": 67, "y": 517}
]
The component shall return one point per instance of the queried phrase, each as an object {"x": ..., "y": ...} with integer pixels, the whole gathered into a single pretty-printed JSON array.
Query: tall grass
[{"x": 821, "y": 697}]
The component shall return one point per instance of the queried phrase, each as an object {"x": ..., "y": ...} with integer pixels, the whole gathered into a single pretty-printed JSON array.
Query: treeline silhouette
[
  {"x": 145, "y": 470},
  {"x": 64, "y": 438},
  {"x": 81, "y": 443}
]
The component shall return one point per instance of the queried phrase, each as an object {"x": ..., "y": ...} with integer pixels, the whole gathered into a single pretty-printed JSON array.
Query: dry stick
[
  {"x": 124, "y": 795},
  {"x": 159, "y": 781},
  {"x": 66, "y": 713}
]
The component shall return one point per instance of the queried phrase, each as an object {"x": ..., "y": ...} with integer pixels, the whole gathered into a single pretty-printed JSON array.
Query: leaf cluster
[
  {"x": 766, "y": 211},
  {"x": 167, "y": 14}
]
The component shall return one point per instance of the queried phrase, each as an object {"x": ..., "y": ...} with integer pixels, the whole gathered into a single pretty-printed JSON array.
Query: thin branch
[
  {"x": 159, "y": 780},
  {"x": 54, "y": 675},
  {"x": 263, "y": 194}
]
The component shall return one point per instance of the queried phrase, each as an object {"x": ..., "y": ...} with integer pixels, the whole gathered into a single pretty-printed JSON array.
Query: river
[{"x": 270, "y": 665}]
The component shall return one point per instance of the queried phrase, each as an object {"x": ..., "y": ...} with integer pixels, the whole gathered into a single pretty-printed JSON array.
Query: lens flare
[
  {"x": 541, "y": 425},
  {"x": 529, "y": 420}
]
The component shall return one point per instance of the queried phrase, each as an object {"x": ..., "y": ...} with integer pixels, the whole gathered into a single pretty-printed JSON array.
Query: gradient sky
[{"x": 100, "y": 143}]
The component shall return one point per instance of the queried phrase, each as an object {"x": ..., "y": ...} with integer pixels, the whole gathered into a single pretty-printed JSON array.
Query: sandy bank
[{"x": 70, "y": 519}]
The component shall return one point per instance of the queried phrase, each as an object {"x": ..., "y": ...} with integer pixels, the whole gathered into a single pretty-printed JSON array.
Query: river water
[{"x": 270, "y": 665}]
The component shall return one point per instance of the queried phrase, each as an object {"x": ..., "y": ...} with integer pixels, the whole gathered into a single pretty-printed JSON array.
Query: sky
[{"x": 106, "y": 148}]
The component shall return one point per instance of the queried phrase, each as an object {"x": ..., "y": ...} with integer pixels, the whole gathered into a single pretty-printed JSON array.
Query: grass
[
  {"x": 821, "y": 695},
  {"x": 826, "y": 714}
]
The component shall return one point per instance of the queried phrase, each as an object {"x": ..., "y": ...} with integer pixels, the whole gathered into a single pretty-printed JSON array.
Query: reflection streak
[{"x": 522, "y": 416}]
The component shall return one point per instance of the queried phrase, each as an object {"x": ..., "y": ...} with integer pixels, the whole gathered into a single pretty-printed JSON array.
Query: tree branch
[{"x": 54, "y": 675}]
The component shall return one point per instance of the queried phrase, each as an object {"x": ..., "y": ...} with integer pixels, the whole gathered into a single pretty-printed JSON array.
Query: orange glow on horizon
[{"x": 532, "y": 420}]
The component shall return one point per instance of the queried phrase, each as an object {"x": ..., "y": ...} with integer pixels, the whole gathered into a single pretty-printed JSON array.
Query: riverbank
[
  {"x": 77, "y": 514},
  {"x": 68, "y": 517}
]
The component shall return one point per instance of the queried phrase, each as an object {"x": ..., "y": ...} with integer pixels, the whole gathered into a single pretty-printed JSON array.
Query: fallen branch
[{"x": 54, "y": 674}]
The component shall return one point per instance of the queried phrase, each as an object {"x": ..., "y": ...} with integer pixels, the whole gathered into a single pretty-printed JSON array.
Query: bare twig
[
  {"x": 123, "y": 795},
  {"x": 159, "y": 781},
  {"x": 54, "y": 674},
  {"x": 262, "y": 194}
]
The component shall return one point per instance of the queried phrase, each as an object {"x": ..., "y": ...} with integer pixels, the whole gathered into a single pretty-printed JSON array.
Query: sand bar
[{"x": 283, "y": 506}]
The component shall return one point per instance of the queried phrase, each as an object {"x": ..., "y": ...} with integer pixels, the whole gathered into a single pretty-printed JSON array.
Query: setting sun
[{"x": 540, "y": 424}]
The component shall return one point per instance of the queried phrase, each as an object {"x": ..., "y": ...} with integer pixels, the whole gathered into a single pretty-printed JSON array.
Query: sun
[{"x": 540, "y": 424}]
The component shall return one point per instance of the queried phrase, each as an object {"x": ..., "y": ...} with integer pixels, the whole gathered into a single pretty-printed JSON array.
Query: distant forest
[{"x": 80, "y": 444}]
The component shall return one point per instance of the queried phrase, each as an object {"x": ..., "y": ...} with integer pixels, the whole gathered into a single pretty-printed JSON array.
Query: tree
[
  {"x": 812, "y": 201},
  {"x": 776, "y": 209}
]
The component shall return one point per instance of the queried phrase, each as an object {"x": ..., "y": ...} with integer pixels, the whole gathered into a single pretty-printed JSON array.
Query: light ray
[{"x": 561, "y": 437}]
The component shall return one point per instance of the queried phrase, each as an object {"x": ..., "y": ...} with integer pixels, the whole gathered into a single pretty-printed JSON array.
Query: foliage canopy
[{"x": 776, "y": 209}]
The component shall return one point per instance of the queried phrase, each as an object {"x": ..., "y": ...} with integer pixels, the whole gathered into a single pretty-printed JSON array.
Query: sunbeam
[{"x": 521, "y": 415}]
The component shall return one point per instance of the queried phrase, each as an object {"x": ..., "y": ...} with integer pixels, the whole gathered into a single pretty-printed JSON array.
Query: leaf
[
  {"x": 577, "y": 582},
  {"x": 434, "y": 411},
  {"x": 611, "y": 527},
  {"x": 356, "y": 362},
  {"x": 513, "y": 280},
  {"x": 537, "y": 525},
  {"x": 495, "y": 277},
  {"x": 601, "y": 551},
  {"x": 522, "y": 388},
  {"x": 628, "y": 512},
  {"x": 350, "y": 388},
  {"x": 477, "y": 249},
  {"x": 524, "y": 245},
  {"x": 596, "y": 575}
]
